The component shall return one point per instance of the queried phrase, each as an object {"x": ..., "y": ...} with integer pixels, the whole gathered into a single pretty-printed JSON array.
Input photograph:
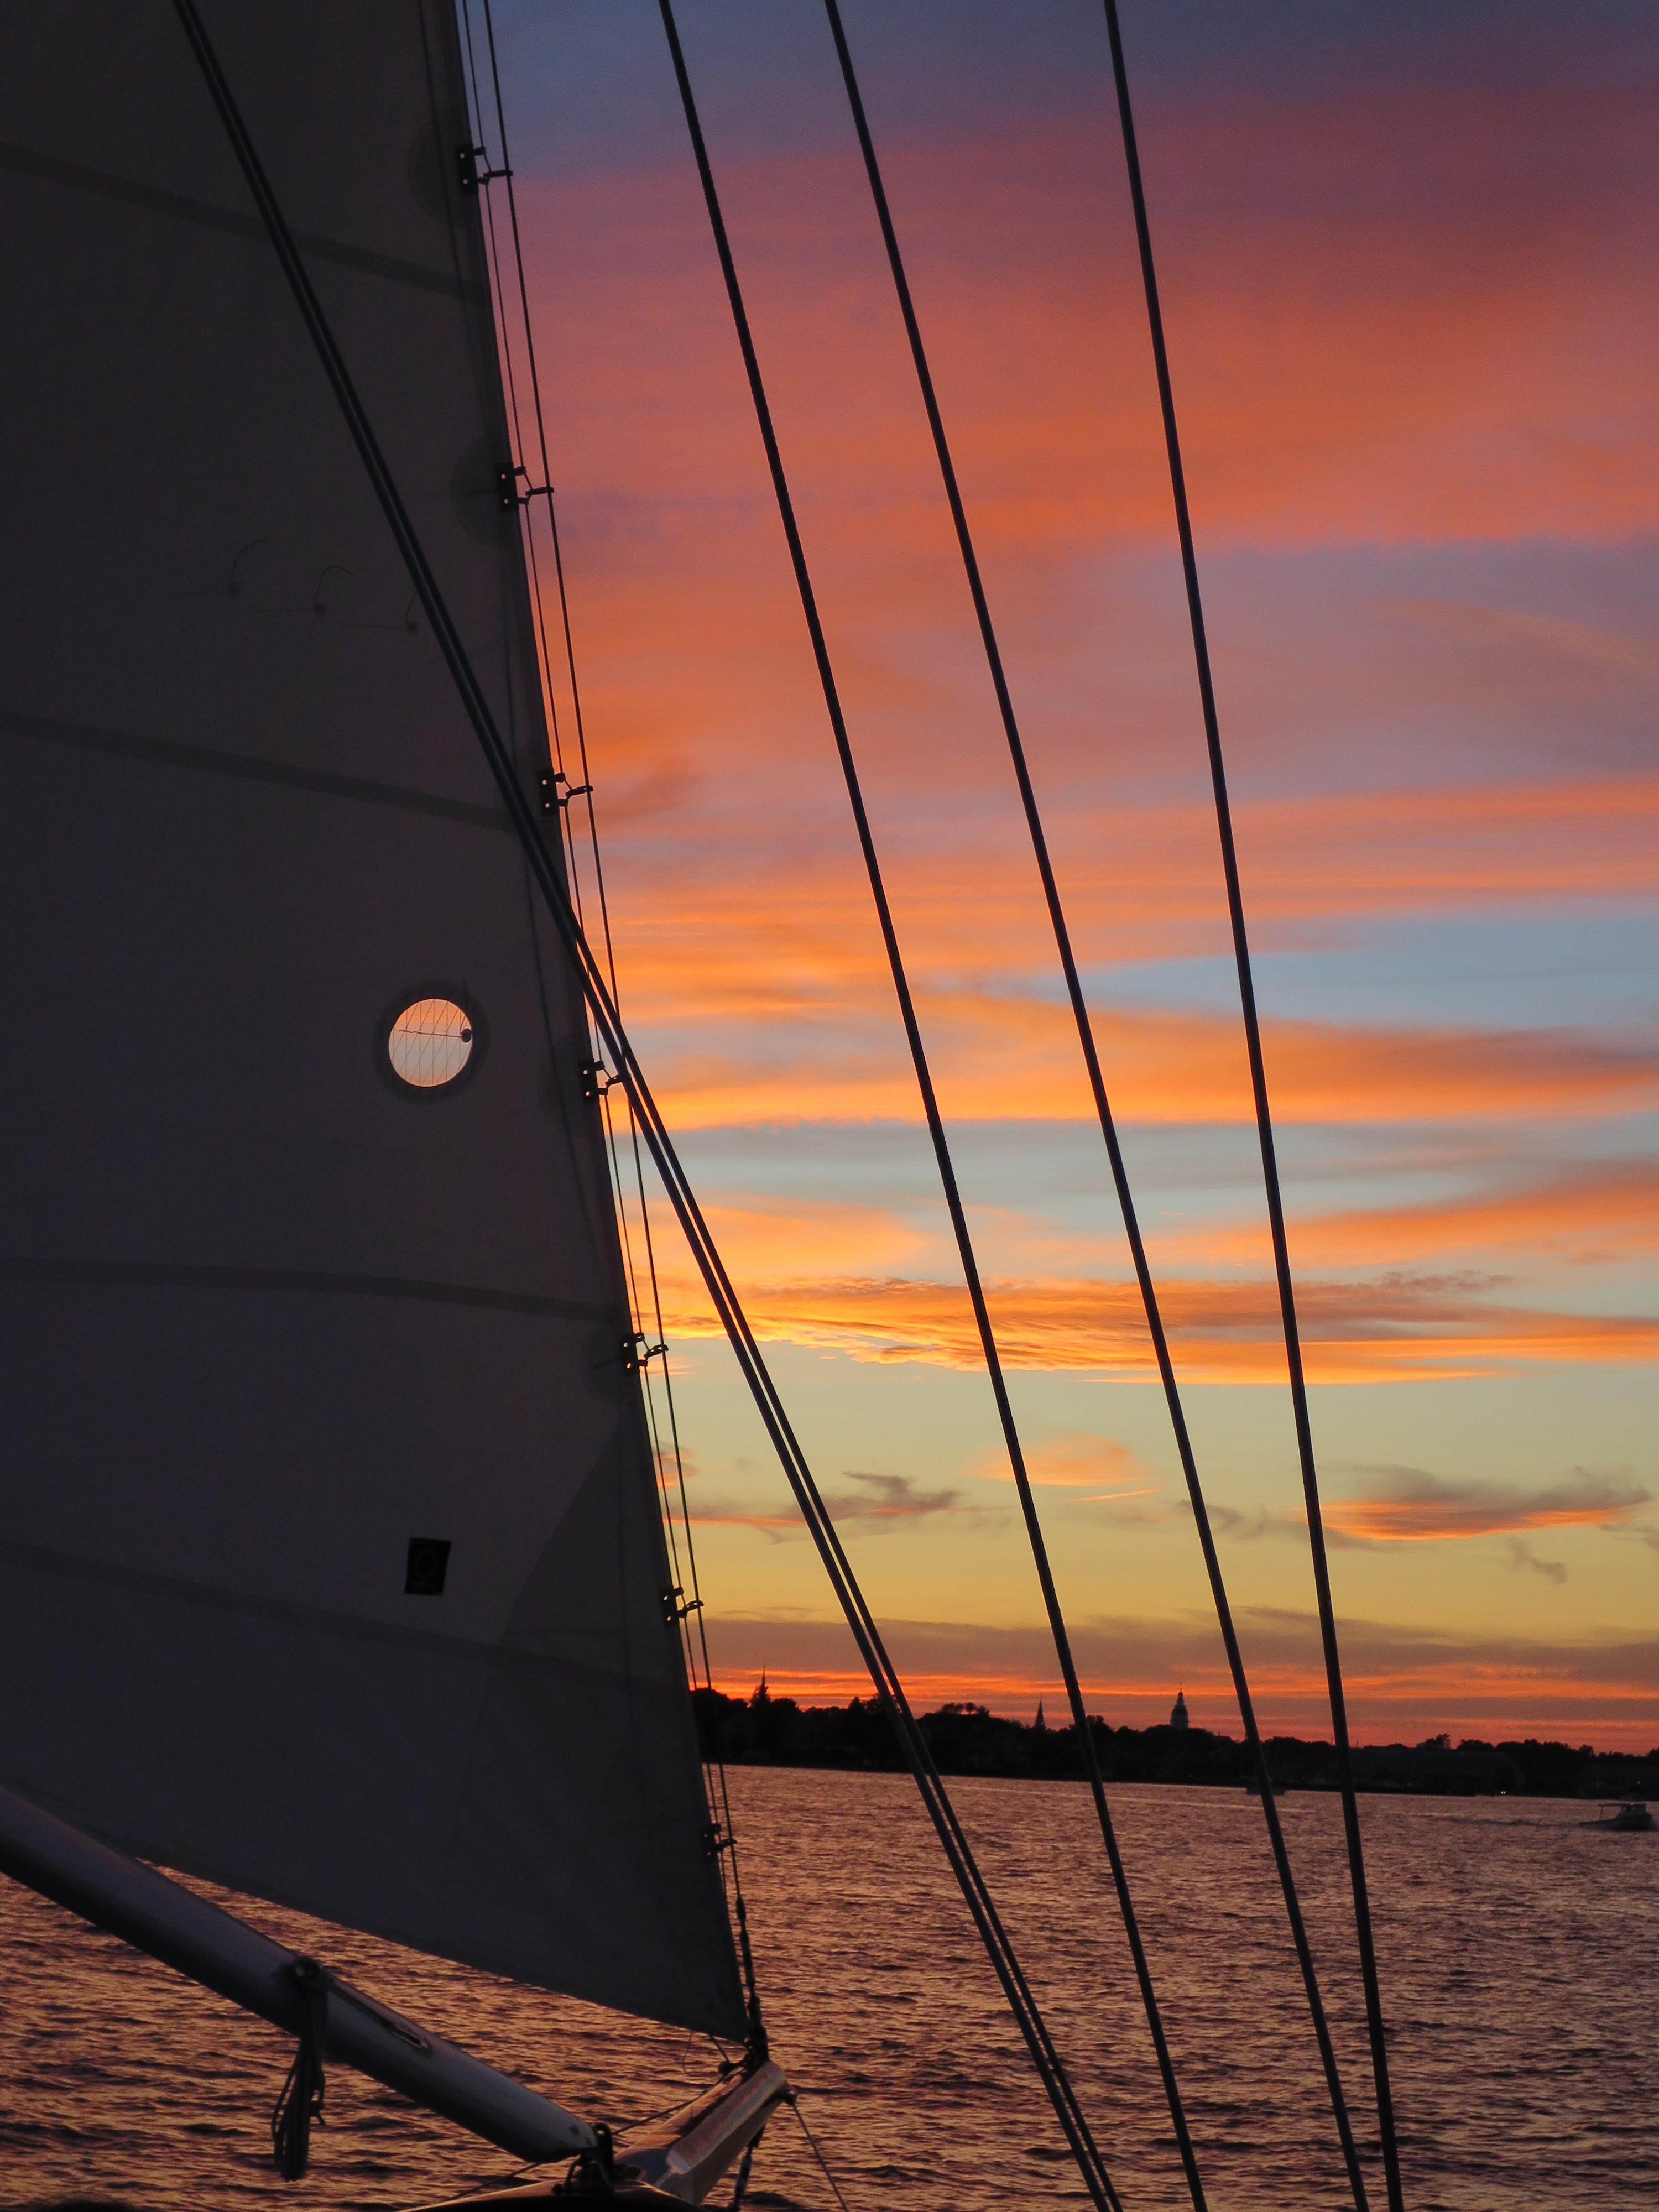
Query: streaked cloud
[
  {"x": 879, "y": 1499},
  {"x": 1522, "y": 1555},
  {"x": 1013, "y": 1058},
  {"x": 772, "y": 1236},
  {"x": 1590, "y": 1216},
  {"x": 1404, "y": 1330},
  {"x": 1414, "y": 1507}
]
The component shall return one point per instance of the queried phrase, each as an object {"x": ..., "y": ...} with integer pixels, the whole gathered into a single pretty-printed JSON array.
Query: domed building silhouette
[{"x": 1178, "y": 1716}]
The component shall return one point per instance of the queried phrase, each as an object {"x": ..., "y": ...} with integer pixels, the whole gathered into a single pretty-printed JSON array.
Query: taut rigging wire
[
  {"x": 935, "y": 1121},
  {"x": 1265, "y": 1130},
  {"x": 549, "y": 882},
  {"x": 1102, "y": 1108}
]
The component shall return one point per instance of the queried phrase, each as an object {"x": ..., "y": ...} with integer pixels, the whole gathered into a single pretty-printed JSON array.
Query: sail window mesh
[{"x": 430, "y": 1042}]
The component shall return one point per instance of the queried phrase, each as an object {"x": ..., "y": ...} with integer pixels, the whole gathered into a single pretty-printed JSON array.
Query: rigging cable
[
  {"x": 794, "y": 2102},
  {"x": 1265, "y": 1130},
  {"x": 550, "y": 881},
  {"x": 1102, "y": 1108},
  {"x": 716, "y": 1790},
  {"x": 936, "y": 1127}
]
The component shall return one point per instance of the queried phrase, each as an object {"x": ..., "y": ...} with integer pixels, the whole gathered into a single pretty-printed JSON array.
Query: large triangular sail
[{"x": 329, "y": 1560}]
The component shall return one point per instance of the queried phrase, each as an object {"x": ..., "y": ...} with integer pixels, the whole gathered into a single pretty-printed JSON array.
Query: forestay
[{"x": 279, "y": 1324}]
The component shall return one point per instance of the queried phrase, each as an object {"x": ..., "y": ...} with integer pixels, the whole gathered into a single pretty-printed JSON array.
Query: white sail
[{"x": 279, "y": 1324}]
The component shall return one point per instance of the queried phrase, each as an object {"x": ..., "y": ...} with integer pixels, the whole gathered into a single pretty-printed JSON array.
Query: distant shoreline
[{"x": 763, "y": 1731}]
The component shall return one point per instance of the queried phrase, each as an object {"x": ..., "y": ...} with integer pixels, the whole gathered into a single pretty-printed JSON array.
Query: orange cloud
[
  {"x": 997, "y": 1057},
  {"x": 767, "y": 957},
  {"x": 774, "y": 926},
  {"x": 1595, "y": 1215},
  {"x": 1402, "y": 1330},
  {"x": 1417, "y": 1508},
  {"x": 1100, "y": 1466},
  {"x": 1354, "y": 359},
  {"x": 761, "y": 1236}
]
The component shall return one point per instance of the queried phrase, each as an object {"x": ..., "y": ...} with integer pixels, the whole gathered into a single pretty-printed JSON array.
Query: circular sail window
[{"x": 430, "y": 1042}]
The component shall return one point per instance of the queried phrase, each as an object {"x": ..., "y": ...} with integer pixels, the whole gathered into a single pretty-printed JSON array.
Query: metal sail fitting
[
  {"x": 677, "y": 1607},
  {"x": 468, "y": 159},
  {"x": 557, "y": 790}
]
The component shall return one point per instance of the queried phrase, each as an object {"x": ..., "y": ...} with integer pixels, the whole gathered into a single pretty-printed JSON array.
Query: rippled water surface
[{"x": 1516, "y": 1945}]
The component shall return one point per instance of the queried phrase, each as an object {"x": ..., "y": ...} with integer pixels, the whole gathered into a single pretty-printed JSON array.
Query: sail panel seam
[
  {"x": 317, "y": 783},
  {"x": 141, "y": 1274},
  {"x": 47, "y": 168},
  {"x": 208, "y": 1597}
]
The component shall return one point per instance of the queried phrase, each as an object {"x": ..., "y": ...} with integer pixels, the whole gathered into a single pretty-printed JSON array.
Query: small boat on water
[
  {"x": 1253, "y": 1788},
  {"x": 1632, "y": 1816}
]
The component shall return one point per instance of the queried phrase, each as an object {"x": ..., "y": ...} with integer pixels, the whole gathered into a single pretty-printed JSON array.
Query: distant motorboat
[{"x": 1632, "y": 1815}]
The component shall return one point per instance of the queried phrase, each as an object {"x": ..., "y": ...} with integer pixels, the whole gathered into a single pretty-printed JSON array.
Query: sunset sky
[{"x": 1410, "y": 262}]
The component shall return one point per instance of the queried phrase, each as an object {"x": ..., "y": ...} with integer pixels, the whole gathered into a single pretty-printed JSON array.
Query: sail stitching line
[
  {"x": 721, "y": 1826},
  {"x": 164, "y": 1276},
  {"x": 1264, "y": 1127},
  {"x": 322, "y": 783},
  {"x": 350, "y": 1627},
  {"x": 549, "y": 880},
  {"x": 937, "y": 1132},
  {"x": 1097, "y": 1081},
  {"x": 22, "y": 160}
]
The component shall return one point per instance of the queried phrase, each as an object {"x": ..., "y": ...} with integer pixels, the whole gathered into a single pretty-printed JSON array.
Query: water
[{"x": 1515, "y": 1945}]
